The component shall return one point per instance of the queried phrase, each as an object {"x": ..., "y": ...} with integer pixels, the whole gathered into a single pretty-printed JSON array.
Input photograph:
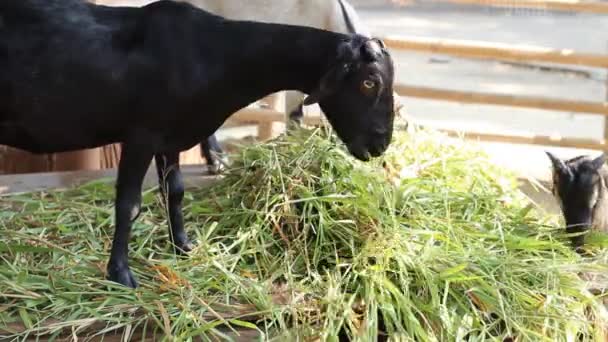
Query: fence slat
[
  {"x": 531, "y": 140},
  {"x": 265, "y": 115},
  {"x": 503, "y": 100},
  {"x": 486, "y": 50},
  {"x": 571, "y": 6}
]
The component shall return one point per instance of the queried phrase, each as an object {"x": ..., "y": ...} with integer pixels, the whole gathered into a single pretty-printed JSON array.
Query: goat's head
[
  {"x": 356, "y": 95},
  {"x": 578, "y": 185}
]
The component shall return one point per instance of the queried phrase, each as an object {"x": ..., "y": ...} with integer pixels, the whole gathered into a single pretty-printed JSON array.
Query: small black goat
[
  {"x": 161, "y": 78},
  {"x": 579, "y": 185}
]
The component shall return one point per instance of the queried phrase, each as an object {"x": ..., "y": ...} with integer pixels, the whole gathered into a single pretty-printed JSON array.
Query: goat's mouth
[
  {"x": 362, "y": 155},
  {"x": 366, "y": 153},
  {"x": 579, "y": 227}
]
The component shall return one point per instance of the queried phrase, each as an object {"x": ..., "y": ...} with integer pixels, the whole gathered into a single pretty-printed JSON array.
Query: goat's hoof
[
  {"x": 214, "y": 169},
  {"x": 183, "y": 248},
  {"x": 217, "y": 168},
  {"x": 294, "y": 125},
  {"x": 122, "y": 276}
]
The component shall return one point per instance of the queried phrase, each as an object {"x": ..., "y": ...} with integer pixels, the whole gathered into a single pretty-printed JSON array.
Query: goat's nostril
[
  {"x": 380, "y": 131},
  {"x": 377, "y": 149}
]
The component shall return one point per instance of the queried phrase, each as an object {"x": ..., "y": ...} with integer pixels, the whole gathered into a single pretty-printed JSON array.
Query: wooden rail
[
  {"x": 486, "y": 50},
  {"x": 259, "y": 115},
  {"x": 553, "y": 5},
  {"x": 587, "y": 144},
  {"x": 530, "y": 139},
  {"x": 269, "y": 115},
  {"x": 503, "y": 100},
  {"x": 514, "y": 101}
]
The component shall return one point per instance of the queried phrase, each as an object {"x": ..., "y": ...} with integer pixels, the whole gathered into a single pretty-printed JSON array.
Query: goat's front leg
[
  {"x": 134, "y": 163},
  {"x": 578, "y": 242},
  {"x": 172, "y": 190}
]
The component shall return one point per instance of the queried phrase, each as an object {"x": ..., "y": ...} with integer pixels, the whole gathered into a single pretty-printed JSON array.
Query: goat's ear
[
  {"x": 558, "y": 164},
  {"x": 598, "y": 162},
  {"x": 333, "y": 79},
  {"x": 373, "y": 49},
  {"x": 329, "y": 84},
  {"x": 380, "y": 42}
]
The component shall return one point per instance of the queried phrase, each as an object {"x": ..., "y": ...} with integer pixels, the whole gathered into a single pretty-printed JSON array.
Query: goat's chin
[{"x": 359, "y": 152}]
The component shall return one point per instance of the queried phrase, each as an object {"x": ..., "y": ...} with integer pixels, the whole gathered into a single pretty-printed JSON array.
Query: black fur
[{"x": 578, "y": 185}]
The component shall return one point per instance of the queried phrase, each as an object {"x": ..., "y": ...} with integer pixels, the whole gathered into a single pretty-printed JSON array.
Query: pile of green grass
[{"x": 429, "y": 243}]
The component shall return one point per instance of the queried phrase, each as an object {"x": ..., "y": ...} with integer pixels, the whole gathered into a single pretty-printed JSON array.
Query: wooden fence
[
  {"x": 507, "y": 53},
  {"x": 13, "y": 161},
  {"x": 512, "y": 53}
]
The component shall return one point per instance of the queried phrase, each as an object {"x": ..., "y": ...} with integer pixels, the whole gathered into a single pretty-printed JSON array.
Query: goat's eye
[
  {"x": 368, "y": 87},
  {"x": 369, "y": 84}
]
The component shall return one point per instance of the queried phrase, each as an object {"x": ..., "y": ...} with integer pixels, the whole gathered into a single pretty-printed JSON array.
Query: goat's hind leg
[
  {"x": 172, "y": 190},
  {"x": 134, "y": 162},
  {"x": 211, "y": 150},
  {"x": 295, "y": 107},
  {"x": 295, "y": 117}
]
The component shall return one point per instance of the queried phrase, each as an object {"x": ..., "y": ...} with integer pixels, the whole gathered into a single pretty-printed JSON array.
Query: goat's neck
[{"x": 281, "y": 57}]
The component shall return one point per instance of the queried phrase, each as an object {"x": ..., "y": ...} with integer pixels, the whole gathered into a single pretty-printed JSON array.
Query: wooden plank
[
  {"x": 488, "y": 50},
  {"x": 606, "y": 99},
  {"x": 531, "y": 140},
  {"x": 88, "y": 159},
  {"x": 194, "y": 176},
  {"x": 503, "y": 100},
  {"x": 237, "y": 334},
  {"x": 17, "y": 161},
  {"x": 268, "y": 115},
  {"x": 553, "y": 5}
]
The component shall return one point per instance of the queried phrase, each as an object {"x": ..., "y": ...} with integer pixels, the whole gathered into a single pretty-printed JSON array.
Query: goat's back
[{"x": 75, "y": 75}]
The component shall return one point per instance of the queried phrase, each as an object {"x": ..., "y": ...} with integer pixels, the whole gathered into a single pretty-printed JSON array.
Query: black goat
[
  {"x": 579, "y": 185},
  {"x": 346, "y": 22},
  {"x": 161, "y": 78}
]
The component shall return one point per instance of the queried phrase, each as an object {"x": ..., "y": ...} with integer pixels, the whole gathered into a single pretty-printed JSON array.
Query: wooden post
[
  {"x": 606, "y": 98},
  {"x": 276, "y": 102}
]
